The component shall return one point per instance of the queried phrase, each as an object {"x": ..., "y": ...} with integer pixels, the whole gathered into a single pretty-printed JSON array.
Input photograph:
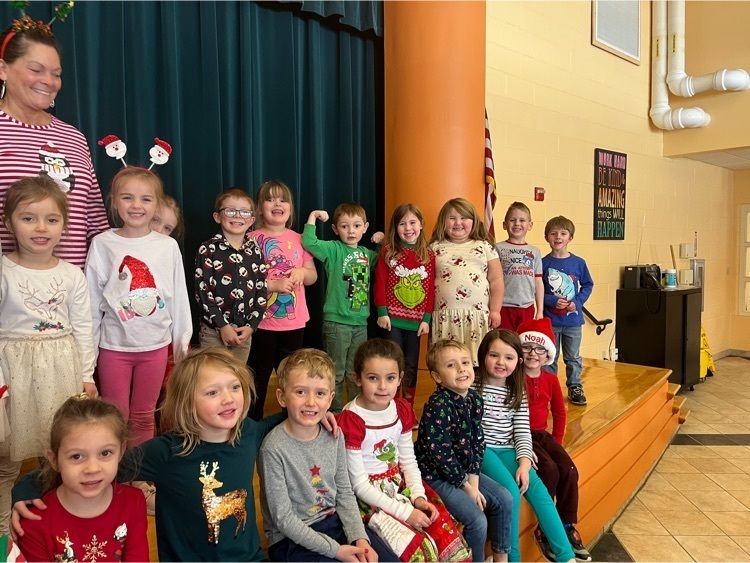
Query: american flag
[{"x": 489, "y": 178}]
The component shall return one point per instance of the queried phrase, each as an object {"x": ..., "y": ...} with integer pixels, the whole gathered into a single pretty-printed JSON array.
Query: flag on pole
[{"x": 490, "y": 195}]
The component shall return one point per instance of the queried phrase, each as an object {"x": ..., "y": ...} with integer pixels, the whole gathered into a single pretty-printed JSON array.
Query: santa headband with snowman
[{"x": 116, "y": 149}]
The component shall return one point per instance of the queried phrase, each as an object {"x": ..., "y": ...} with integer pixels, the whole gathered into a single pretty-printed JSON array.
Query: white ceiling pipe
[
  {"x": 663, "y": 116},
  {"x": 679, "y": 82}
]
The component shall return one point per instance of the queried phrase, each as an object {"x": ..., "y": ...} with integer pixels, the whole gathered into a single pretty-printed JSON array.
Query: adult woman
[{"x": 34, "y": 142}]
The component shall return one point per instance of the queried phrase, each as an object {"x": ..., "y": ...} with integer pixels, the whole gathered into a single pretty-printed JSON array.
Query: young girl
[
  {"x": 203, "y": 466},
  {"x": 46, "y": 342},
  {"x": 404, "y": 290},
  {"x": 554, "y": 466},
  {"x": 506, "y": 430},
  {"x": 395, "y": 502},
  {"x": 139, "y": 300},
  {"x": 468, "y": 280},
  {"x": 168, "y": 218},
  {"x": 87, "y": 516},
  {"x": 290, "y": 269}
]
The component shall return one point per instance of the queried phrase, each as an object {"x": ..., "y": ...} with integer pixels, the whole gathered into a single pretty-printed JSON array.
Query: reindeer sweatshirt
[{"x": 45, "y": 304}]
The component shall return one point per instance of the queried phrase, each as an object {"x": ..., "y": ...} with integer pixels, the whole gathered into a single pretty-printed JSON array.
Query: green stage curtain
[
  {"x": 243, "y": 91},
  {"x": 363, "y": 15}
]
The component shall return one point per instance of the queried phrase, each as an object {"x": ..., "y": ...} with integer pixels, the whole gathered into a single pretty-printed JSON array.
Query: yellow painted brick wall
[{"x": 552, "y": 99}]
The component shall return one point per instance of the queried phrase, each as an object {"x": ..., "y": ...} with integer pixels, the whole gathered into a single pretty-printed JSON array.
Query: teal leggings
[{"x": 500, "y": 465}]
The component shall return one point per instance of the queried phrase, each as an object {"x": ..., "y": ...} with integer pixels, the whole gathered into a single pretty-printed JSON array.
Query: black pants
[
  {"x": 558, "y": 473},
  {"x": 408, "y": 341}
]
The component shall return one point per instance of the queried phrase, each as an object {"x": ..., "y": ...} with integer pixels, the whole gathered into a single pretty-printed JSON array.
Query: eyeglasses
[
  {"x": 538, "y": 349},
  {"x": 230, "y": 212}
]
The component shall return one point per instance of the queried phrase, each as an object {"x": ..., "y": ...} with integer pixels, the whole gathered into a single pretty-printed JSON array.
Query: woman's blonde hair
[
  {"x": 466, "y": 209},
  {"x": 179, "y": 413},
  {"x": 395, "y": 245},
  {"x": 123, "y": 177},
  {"x": 267, "y": 190}
]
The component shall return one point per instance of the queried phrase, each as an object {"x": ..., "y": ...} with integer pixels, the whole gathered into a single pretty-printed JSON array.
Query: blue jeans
[
  {"x": 501, "y": 465},
  {"x": 478, "y": 526},
  {"x": 568, "y": 340},
  {"x": 341, "y": 341}
]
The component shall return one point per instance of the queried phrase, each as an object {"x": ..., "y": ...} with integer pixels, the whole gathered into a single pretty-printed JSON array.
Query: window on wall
[{"x": 744, "y": 293}]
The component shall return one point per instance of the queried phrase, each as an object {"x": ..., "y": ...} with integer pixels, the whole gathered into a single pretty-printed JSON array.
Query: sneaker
[
  {"x": 576, "y": 396},
  {"x": 543, "y": 544},
  {"x": 575, "y": 542}
]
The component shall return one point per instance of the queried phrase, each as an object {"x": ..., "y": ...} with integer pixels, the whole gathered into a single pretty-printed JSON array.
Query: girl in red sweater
[
  {"x": 404, "y": 290},
  {"x": 554, "y": 466}
]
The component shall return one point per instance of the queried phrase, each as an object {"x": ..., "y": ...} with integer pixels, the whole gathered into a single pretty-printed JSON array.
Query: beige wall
[
  {"x": 552, "y": 99},
  {"x": 716, "y": 37},
  {"x": 740, "y": 324}
]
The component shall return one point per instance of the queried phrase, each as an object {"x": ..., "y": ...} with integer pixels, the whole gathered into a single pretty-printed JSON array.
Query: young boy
[
  {"x": 230, "y": 277},
  {"x": 347, "y": 304},
  {"x": 522, "y": 270},
  {"x": 450, "y": 450},
  {"x": 554, "y": 466},
  {"x": 309, "y": 510},
  {"x": 567, "y": 286}
]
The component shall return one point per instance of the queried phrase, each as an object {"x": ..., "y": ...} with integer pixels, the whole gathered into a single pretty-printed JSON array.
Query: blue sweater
[{"x": 565, "y": 278}]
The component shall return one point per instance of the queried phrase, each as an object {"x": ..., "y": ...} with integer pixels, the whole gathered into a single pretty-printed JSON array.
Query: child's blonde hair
[
  {"x": 377, "y": 348},
  {"x": 562, "y": 223},
  {"x": 179, "y": 410},
  {"x": 437, "y": 348},
  {"x": 274, "y": 188},
  {"x": 77, "y": 411},
  {"x": 466, "y": 209},
  {"x": 315, "y": 362},
  {"x": 126, "y": 175},
  {"x": 350, "y": 208},
  {"x": 171, "y": 203},
  {"x": 395, "y": 245},
  {"x": 514, "y": 383},
  {"x": 517, "y": 206},
  {"x": 33, "y": 189}
]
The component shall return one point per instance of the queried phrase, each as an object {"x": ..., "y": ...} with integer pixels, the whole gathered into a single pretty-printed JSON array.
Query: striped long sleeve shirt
[{"x": 505, "y": 427}]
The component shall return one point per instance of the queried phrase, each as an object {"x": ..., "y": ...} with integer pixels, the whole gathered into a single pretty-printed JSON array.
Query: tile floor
[{"x": 695, "y": 506}]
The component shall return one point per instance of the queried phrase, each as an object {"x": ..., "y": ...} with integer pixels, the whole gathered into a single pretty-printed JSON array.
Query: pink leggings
[{"x": 132, "y": 381}]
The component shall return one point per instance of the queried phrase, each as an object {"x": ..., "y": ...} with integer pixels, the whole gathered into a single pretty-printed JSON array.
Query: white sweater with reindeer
[{"x": 46, "y": 304}]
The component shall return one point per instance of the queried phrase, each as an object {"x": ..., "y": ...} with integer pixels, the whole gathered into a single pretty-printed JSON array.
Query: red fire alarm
[{"x": 538, "y": 194}]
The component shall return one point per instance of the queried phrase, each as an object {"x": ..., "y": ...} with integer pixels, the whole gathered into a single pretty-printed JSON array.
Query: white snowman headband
[{"x": 115, "y": 148}]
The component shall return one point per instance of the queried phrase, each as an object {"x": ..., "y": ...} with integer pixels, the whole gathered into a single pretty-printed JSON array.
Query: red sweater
[
  {"x": 544, "y": 392},
  {"x": 405, "y": 289}
]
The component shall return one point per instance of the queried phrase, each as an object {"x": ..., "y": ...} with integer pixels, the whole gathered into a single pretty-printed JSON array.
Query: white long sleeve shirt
[{"x": 139, "y": 298}]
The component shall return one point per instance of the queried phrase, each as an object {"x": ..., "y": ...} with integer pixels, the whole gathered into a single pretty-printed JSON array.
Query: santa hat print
[
  {"x": 108, "y": 140},
  {"x": 539, "y": 332},
  {"x": 140, "y": 276},
  {"x": 143, "y": 297},
  {"x": 49, "y": 149}
]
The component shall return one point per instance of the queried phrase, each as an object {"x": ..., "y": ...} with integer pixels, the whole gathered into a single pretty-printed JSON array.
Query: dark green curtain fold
[
  {"x": 362, "y": 15},
  {"x": 243, "y": 91}
]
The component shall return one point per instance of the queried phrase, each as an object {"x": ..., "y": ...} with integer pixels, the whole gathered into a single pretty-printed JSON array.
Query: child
[
  {"x": 87, "y": 517},
  {"x": 404, "y": 289},
  {"x": 468, "y": 279},
  {"x": 382, "y": 467},
  {"x": 168, "y": 218},
  {"x": 46, "y": 339},
  {"x": 522, "y": 270},
  {"x": 309, "y": 510},
  {"x": 139, "y": 300},
  {"x": 203, "y": 466},
  {"x": 289, "y": 269},
  {"x": 554, "y": 466},
  {"x": 347, "y": 304},
  {"x": 230, "y": 277},
  {"x": 450, "y": 449},
  {"x": 506, "y": 429},
  {"x": 567, "y": 286}
]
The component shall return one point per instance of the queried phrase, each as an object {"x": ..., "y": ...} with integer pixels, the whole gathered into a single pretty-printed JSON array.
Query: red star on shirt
[{"x": 315, "y": 470}]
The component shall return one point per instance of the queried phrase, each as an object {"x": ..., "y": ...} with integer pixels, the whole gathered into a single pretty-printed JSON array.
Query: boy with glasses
[
  {"x": 230, "y": 277},
  {"x": 554, "y": 466}
]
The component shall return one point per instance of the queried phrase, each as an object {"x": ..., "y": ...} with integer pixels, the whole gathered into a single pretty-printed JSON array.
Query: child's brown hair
[
  {"x": 126, "y": 175},
  {"x": 466, "y": 209},
  {"x": 560, "y": 222},
  {"x": 393, "y": 242},
  {"x": 436, "y": 348},
  {"x": 517, "y": 206},
  {"x": 236, "y": 192},
  {"x": 311, "y": 360},
  {"x": 268, "y": 190},
  {"x": 33, "y": 189},
  {"x": 350, "y": 208},
  {"x": 515, "y": 381},
  {"x": 377, "y": 348}
]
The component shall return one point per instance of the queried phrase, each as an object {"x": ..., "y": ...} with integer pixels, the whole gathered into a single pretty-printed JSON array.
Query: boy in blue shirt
[{"x": 567, "y": 286}]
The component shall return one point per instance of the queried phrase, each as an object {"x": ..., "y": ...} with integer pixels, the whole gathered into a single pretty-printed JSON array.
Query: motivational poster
[{"x": 609, "y": 194}]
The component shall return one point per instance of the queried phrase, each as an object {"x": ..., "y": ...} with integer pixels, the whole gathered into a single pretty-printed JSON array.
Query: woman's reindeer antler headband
[
  {"x": 116, "y": 149},
  {"x": 27, "y": 23}
]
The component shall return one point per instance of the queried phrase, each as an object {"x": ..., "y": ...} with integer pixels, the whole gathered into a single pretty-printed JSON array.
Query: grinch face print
[
  {"x": 115, "y": 148},
  {"x": 143, "y": 299}
]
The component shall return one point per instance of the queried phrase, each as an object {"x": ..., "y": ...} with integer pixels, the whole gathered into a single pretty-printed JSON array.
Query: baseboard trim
[{"x": 732, "y": 352}]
